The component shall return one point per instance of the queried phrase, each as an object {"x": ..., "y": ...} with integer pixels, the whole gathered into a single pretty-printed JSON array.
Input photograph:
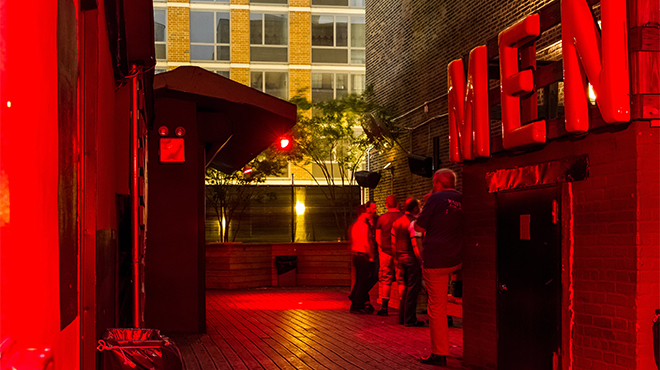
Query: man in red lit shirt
[
  {"x": 387, "y": 270},
  {"x": 363, "y": 256}
]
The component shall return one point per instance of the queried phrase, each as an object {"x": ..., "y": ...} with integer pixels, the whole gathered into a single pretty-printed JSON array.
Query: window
[
  {"x": 209, "y": 35},
  {"x": 269, "y": 37},
  {"x": 328, "y": 85},
  {"x": 209, "y": 1},
  {"x": 160, "y": 33},
  {"x": 222, "y": 72},
  {"x": 338, "y": 39},
  {"x": 352, "y": 3},
  {"x": 272, "y": 83}
]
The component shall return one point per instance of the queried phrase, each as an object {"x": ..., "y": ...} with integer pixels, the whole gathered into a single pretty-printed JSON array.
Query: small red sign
[{"x": 172, "y": 150}]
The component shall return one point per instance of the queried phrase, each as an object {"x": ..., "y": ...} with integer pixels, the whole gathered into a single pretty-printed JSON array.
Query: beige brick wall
[
  {"x": 300, "y": 173},
  {"x": 300, "y": 3},
  {"x": 240, "y": 35},
  {"x": 178, "y": 33},
  {"x": 241, "y": 75},
  {"x": 240, "y": 2},
  {"x": 300, "y": 38},
  {"x": 300, "y": 80}
]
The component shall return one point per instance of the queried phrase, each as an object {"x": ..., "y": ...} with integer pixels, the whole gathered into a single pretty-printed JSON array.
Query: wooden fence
[{"x": 238, "y": 265}]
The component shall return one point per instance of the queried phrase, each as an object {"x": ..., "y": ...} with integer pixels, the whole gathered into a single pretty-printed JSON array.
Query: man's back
[{"x": 442, "y": 217}]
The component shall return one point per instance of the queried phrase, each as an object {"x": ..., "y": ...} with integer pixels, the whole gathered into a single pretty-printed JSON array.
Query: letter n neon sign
[{"x": 604, "y": 61}]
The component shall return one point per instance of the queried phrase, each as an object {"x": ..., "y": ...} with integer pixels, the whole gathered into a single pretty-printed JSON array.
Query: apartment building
[{"x": 282, "y": 48}]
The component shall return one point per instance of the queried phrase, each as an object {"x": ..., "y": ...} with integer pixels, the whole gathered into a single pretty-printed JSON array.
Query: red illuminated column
[
  {"x": 468, "y": 112},
  {"x": 605, "y": 62},
  {"x": 515, "y": 83}
]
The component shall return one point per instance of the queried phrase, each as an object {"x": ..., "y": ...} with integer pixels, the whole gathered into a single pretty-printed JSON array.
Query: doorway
[{"x": 529, "y": 278}]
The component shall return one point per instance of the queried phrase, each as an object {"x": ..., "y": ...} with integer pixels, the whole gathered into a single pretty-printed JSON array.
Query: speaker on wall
[
  {"x": 421, "y": 166},
  {"x": 367, "y": 179}
]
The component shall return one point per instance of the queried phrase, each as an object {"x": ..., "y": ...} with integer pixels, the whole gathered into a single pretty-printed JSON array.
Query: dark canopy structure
[{"x": 235, "y": 122}]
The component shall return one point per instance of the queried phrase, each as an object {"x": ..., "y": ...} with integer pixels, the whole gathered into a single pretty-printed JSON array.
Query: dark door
[{"x": 529, "y": 278}]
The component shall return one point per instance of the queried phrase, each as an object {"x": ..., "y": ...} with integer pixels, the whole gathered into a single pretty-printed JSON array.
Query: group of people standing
[{"x": 419, "y": 242}]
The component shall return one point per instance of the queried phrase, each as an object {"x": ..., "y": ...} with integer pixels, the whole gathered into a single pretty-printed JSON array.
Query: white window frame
[
  {"x": 164, "y": 42},
  {"x": 263, "y": 80},
  {"x": 215, "y": 43},
  {"x": 349, "y": 48},
  {"x": 263, "y": 37},
  {"x": 351, "y": 88}
]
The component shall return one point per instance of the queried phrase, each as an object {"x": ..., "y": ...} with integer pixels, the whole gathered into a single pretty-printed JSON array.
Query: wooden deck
[{"x": 304, "y": 328}]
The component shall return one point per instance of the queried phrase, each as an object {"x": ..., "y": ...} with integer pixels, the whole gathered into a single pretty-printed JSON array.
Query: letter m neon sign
[{"x": 469, "y": 135}]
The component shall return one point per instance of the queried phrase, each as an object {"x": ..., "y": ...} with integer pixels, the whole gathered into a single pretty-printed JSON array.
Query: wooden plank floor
[{"x": 304, "y": 328}]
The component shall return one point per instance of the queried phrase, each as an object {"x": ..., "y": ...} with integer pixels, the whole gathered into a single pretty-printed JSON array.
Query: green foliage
[
  {"x": 330, "y": 135},
  {"x": 230, "y": 194}
]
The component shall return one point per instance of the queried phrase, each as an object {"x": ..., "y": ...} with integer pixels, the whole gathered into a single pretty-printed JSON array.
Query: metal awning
[{"x": 235, "y": 122}]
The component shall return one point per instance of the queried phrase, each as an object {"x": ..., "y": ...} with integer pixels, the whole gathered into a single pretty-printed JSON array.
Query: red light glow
[
  {"x": 163, "y": 131},
  {"x": 285, "y": 143}
]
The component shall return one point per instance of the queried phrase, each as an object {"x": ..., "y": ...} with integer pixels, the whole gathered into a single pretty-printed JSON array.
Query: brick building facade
[{"x": 606, "y": 222}]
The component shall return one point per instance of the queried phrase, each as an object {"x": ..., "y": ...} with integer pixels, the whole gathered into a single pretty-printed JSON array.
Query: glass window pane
[
  {"x": 223, "y": 73},
  {"x": 330, "y": 55},
  {"x": 201, "y": 52},
  {"x": 222, "y": 28},
  {"x": 357, "y": 57},
  {"x": 269, "y": 54},
  {"x": 161, "y": 51},
  {"x": 222, "y": 52},
  {"x": 257, "y": 80},
  {"x": 276, "y": 29},
  {"x": 268, "y": 2},
  {"x": 276, "y": 84},
  {"x": 357, "y": 32},
  {"x": 342, "y": 31},
  {"x": 322, "y": 30},
  {"x": 160, "y": 20},
  {"x": 357, "y": 84},
  {"x": 330, "y": 2},
  {"x": 322, "y": 87},
  {"x": 201, "y": 27},
  {"x": 256, "y": 36},
  {"x": 342, "y": 85},
  {"x": 357, "y": 3}
]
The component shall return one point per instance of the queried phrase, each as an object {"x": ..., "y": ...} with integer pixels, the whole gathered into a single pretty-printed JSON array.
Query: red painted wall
[{"x": 29, "y": 250}]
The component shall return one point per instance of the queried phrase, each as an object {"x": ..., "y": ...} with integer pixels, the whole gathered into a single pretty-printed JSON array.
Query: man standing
[
  {"x": 372, "y": 209},
  {"x": 442, "y": 219},
  {"x": 405, "y": 249},
  {"x": 363, "y": 255},
  {"x": 387, "y": 269}
]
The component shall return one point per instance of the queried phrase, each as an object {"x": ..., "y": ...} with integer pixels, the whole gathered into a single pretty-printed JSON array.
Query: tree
[
  {"x": 329, "y": 134},
  {"x": 230, "y": 194}
]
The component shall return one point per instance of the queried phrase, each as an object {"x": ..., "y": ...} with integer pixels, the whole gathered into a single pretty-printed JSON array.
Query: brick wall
[
  {"x": 178, "y": 33},
  {"x": 241, "y": 75},
  {"x": 606, "y": 248},
  {"x": 300, "y": 38},
  {"x": 648, "y": 240},
  {"x": 240, "y": 37},
  {"x": 616, "y": 274}
]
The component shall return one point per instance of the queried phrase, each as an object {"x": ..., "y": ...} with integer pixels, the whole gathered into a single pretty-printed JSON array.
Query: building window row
[
  {"x": 336, "y": 39},
  {"x": 350, "y": 3},
  {"x": 336, "y": 85}
]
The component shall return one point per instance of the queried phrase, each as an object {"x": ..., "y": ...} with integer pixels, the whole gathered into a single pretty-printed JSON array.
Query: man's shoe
[
  {"x": 433, "y": 359},
  {"x": 382, "y": 312},
  {"x": 369, "y": 308},
  {"x": 417, "y": 324},
  {"x": 360, "y": 311}
]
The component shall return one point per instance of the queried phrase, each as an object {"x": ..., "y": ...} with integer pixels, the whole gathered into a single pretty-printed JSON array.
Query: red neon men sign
[{"x": 586, "y": 55}]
